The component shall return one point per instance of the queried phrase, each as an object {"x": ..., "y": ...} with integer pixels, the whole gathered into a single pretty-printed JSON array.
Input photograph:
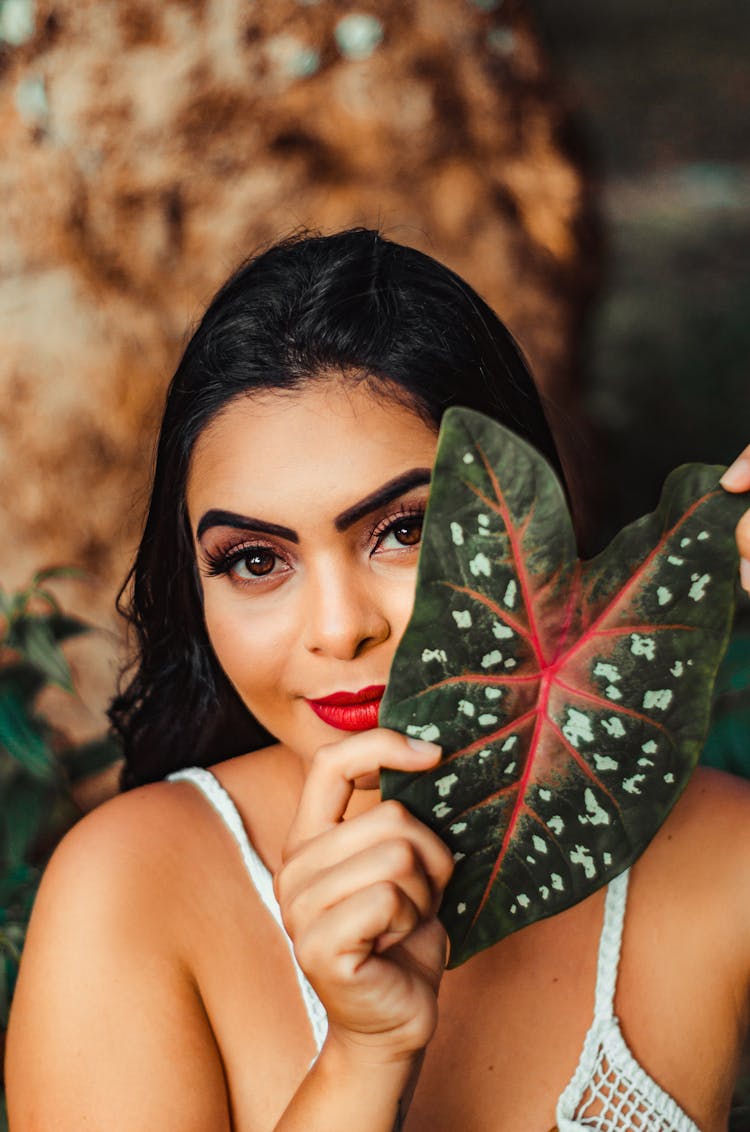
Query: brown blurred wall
[{"x": 146, "y": 148}]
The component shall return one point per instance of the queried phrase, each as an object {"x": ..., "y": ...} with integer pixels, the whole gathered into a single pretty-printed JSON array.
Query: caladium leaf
[{"x": 571, "y": 698}]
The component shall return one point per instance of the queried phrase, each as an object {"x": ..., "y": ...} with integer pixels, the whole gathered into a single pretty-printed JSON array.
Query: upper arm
[{"x": 107, "y": 1030}]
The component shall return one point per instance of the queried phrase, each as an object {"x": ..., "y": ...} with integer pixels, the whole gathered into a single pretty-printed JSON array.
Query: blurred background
[{"x": 584, "y": 164}]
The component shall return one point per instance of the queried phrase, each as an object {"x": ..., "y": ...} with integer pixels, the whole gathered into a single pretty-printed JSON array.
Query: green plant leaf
[
  {"x": 91, "y": 757},
  {"x": 571, "y": 699},
  {"x": 34, "y": 637},
  {"x": 24, "y": 737}
]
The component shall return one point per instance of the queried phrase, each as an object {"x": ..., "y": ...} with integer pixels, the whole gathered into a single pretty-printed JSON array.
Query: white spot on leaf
[
  {"x": 669, "y": 777},
  {"x": 633, "y": 785},
  {"x": 468, "y": 458},
  {"x": 702, "y": 536},
  {"x": 458, "y": 827},
  {"x": 577, "y": 728},
  {"x": 445, "y": 784},
  {"x": 607, "y": 858},
  {"x": 557, "y": 882},
  {"x": 556, "y": 824},
  {"x": 441, "y": 810},
  {"x": 457, "y": 534},
  {"x": 604, "y": 762},
  {"x": 461, "y": 908},
  {"x": 487, "y": 720},
  {"x": 509, "y": 599},
  {"x": 595, "y": 814},
  {"x": 491, "y": 658},
  {"x": 613, "y": 726},
  {"x": 462, "y": 617},
  {"x": 663, "y": 595},
  {"x": 545, "y": 795},
  {"x": 466, "y": 707},
  {"x": 480, "y": 565},
  {"x": 649, "y": 748},
  {"x": 673, "y": 560},
  {"x": 509, "y": 743},
  {"x": 483, "y": 520},
  {"x": 581, "y": 856},
  {"x": 493, "y": 693},
  {"x": 660, "y": 698},
  {"x": 434, "y": 654},
  {"x": 502, "y": 632},
  {"x": 539, "y": 845},
  {"x": 608, "y": 671},
  {"x": 543, "y": 891},
  {"x": 523, "y": 900},
  {"x": 427, "y": 731},
  {"x": 642, "y": 646},
  {"x": 698, "y": 589},
  {"x": 614, "y": 693},
  {"x": 685, "y": 542},
  {"x": 677, "y": 668}
]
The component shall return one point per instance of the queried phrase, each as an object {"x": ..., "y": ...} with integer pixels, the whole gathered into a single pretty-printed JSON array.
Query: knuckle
[
  {"x": 388, "y": 896},
  {"x": 402, "y": 855},
  {"x": 395, "y": 813}
]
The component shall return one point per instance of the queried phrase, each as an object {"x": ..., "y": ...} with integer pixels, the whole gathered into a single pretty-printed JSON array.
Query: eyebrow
[{"x": 417, "y": 477}]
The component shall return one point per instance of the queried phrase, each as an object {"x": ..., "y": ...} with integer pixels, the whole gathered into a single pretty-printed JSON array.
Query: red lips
[{"x": 350, "y": 711}]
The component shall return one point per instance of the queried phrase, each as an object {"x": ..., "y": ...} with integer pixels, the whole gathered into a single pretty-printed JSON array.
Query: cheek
[{"x": 250, "y": 645}]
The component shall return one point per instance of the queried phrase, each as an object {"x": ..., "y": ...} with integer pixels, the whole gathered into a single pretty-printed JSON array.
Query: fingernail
[
  {"x": 738, "y": 474},
  {"x": 745, "y": 573},
  {"x": 423, "y": 747}
]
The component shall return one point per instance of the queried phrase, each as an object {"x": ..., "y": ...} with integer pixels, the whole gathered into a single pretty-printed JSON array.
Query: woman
[{"x": 273, "y": 583}]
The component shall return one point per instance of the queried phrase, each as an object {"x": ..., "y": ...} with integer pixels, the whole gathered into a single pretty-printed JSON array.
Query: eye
[
  {"x": 255, "y": 563},
  {"x": 401, "y": 533},
  {"x": 245, "y": 564}
]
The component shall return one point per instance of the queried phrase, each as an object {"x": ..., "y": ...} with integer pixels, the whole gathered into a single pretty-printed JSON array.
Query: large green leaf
[{"x": 571, "y": 699}]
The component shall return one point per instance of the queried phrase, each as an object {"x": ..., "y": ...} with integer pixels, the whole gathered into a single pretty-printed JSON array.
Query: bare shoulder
[
  {"x": 703, "y": 847},
  {"x": 103, "y": 981},
  {"x": 714, "y": 807}
]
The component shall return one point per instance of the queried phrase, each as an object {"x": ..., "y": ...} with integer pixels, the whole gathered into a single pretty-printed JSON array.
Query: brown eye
[
  {"x": 255, "y": 564},
  {"x": 409, "y": 532},
  {"x": 403, "y": 532}
]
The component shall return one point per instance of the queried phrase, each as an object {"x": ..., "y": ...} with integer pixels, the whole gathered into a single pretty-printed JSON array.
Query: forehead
[{"x": 321, "y": 447}]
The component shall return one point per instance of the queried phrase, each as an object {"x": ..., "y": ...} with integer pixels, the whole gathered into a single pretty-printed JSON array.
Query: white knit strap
[
  {"x": 610, "y": 943},
  {"x": 221, "y": 801}
]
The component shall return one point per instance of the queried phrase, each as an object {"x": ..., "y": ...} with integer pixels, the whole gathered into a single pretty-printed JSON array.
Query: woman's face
[{"x": 306, "y": 509}]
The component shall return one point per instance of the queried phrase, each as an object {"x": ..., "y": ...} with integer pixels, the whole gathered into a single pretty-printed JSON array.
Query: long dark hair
[{"x": 353, "y": 303}]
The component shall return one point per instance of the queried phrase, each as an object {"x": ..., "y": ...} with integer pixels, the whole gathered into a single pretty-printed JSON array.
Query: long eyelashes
[{"x": 225, "y": 558}]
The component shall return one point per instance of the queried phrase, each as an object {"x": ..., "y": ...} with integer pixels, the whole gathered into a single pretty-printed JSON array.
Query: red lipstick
[{"x": 350, "y": 711}]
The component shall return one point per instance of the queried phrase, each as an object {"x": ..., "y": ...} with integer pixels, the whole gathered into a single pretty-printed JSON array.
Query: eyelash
[{"x": 223, "y": 560}]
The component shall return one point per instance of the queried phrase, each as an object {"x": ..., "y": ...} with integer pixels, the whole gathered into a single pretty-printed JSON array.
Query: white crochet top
[{"x": 608, "y": 1092}]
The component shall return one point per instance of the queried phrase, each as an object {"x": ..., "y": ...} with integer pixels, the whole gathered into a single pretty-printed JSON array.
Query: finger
[
  {"x": 737, "y": 476},
  {"x": 338, "y": 943},
  {"x": 385, "y": 822},
  {"x": 396, "y": 861},
  {"x": 336, "y": 766},
  {"x": 743, "y": 545}
]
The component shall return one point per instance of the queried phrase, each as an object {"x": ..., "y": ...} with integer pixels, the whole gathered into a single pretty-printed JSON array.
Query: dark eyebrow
[{"x": 391, "y": 490}]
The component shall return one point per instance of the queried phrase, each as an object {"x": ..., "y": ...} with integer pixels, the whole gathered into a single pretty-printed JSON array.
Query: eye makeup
[{"x": 261, "y": 557}]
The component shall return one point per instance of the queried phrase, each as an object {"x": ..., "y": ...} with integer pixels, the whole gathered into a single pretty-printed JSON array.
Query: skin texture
[{"x": 156, "y": 992}]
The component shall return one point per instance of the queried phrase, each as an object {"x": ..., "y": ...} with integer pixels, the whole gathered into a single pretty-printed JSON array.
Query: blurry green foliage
[{"x": 37, "y": 766}]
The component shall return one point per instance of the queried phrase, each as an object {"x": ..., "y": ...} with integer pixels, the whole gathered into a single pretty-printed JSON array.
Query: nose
[{"x": 344, "y": 612}]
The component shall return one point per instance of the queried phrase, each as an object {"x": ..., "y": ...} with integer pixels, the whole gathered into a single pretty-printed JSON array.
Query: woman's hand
[
  {"x": 737, "y": 478},
  {"x": 360, "y": 897}
]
